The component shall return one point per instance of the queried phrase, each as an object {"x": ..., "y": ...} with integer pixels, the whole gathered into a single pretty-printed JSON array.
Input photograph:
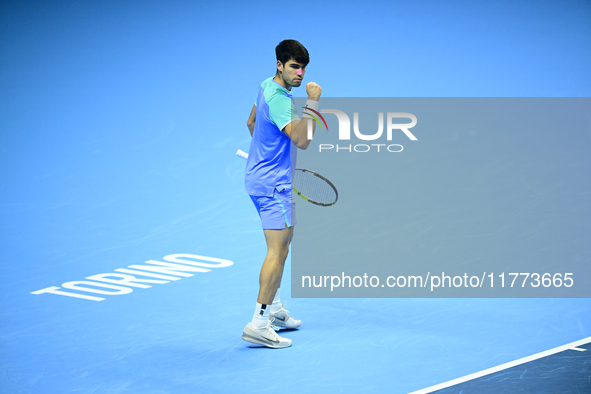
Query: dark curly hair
[{"x": 292, "y": 50}]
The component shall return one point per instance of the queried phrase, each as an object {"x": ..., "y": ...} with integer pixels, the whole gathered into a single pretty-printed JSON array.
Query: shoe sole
[
  {"x": 257, "y": 341},
  {"x": 282, "y": 326}
]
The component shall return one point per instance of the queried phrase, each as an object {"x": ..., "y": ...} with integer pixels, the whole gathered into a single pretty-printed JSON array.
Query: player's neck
[{"x": 281, "y": 82}]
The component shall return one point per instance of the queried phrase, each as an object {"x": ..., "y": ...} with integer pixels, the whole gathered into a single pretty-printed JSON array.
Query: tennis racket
[{"x": 311, "y": 186}]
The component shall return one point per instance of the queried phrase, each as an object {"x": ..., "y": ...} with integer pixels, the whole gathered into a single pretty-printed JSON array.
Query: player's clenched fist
[{"x": 313, "y": 90}]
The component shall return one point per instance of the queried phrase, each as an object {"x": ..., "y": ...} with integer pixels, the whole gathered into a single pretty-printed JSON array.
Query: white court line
[{"x": 570, "y": 346}]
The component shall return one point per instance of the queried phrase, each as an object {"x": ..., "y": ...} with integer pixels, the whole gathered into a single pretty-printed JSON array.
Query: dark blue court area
[
  {"x": 130, "y": 252},
  {"x": 565, "y": 370}
]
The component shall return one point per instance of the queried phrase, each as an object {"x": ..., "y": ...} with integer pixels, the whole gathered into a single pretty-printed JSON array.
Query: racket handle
[{"x": 242, "y": 154}]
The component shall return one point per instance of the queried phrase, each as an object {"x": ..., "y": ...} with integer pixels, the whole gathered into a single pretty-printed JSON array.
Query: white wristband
[{"x": 312, "y": 104}]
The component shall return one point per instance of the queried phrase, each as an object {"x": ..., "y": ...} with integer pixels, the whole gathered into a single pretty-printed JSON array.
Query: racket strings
[{"x": 314, "y": 187}]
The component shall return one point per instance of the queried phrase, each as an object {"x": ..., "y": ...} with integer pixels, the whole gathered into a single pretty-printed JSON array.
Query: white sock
[
  {"x": 276, "y": 302},
  {"x": 261, "y": 316}
]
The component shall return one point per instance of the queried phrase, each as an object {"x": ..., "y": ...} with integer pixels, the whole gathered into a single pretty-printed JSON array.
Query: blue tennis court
[{"x": 130, "y": 252}]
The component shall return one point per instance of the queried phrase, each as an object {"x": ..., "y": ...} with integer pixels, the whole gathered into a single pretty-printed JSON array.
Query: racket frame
[{"x": 313, "y": 201}]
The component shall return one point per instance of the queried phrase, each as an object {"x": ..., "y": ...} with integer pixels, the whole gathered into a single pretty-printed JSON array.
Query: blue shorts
[{"x": 277, "y": 212}]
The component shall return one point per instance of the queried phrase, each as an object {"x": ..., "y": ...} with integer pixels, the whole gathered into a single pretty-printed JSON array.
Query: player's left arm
[{"x": 252, "y": 119}]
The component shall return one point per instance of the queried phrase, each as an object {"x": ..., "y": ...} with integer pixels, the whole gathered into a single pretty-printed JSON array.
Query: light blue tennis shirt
[{"x": 272, "y": 155}]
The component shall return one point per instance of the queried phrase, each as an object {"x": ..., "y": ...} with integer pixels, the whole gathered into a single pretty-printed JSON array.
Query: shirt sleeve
[{"x": 282, "y": 111}]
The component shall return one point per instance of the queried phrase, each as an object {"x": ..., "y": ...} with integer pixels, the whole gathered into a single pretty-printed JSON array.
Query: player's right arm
[
  {"x": 252, "y": 119},
  {"x": 297, "y": 130}
]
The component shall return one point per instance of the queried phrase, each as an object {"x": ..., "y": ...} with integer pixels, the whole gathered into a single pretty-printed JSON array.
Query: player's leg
[
  {"x": 278, "y": 315},
  {"x": 276, "y": 220},
  {"x": 277, "y": 305},
  {"x": 274, "y": 264},
  {"x": 259, "y": 331},
  {"x": 277, "y": 299}
]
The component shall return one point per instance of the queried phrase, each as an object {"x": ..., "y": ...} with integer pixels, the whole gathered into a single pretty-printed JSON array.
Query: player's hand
[{"x": 314, "y": 91}]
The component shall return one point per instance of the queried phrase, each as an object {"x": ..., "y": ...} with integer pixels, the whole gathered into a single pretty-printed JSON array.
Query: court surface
[
  {"x": 183, "y": 334},
  {"x": 120, "y": 124}
]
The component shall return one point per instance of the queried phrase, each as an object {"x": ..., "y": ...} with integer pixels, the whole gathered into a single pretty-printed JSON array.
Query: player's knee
[{"x": 278, "y": 255}]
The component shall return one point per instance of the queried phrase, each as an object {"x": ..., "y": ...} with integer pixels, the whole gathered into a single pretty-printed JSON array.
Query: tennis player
[{"x": 276, "y": 133}]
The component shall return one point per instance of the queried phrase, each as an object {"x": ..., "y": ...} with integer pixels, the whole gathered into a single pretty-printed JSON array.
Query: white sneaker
[
  {"x": 281, "y": 319},
  {"x": 265, "y": 336}
]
